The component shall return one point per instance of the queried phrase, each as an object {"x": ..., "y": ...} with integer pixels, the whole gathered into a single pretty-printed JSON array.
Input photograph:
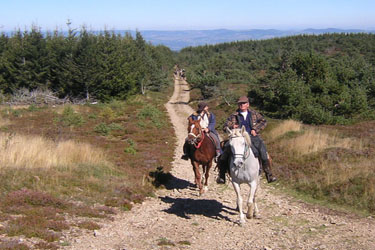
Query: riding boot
[
  {"x": 216, "y": 141},
  {"x": 267, "y": 170},
  {"x": 223, "y": 165},
  {"x": 222, "y": 171},
  {"x": 185, "y": 156},
  {"x": 217, "y": 156}
]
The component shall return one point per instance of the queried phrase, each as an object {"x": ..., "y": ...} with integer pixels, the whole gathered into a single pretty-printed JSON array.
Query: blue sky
[{"x": 188, "y": 14}]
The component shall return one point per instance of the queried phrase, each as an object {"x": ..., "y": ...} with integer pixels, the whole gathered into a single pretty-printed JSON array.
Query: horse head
[
  {"x": 239, "y": 142},
  {"x": 195, "y": 131}
]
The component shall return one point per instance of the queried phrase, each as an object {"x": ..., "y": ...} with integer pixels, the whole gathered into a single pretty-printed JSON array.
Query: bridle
[
  {"x": 197, "y": 139},
  {"x": 246, "y": 152}
]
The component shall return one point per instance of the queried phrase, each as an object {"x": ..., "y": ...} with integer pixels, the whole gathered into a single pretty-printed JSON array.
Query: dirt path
[{"x": 179, "y": 219}]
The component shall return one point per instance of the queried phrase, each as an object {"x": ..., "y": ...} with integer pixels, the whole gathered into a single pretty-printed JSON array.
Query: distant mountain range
[
  {"x": 176, "y": 40},
  {"x": 179, "y": 39}
]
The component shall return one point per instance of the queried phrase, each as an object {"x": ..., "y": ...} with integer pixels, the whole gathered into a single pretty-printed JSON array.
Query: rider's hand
[{"x": 235, "y": 126}]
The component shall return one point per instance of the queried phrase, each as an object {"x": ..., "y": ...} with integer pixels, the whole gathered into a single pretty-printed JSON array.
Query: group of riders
[
  {"x": 253, "y": 122},
  {"x": 179, "y": 73}
]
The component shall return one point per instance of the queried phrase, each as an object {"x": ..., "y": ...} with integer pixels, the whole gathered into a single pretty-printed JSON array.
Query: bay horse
[
  {"x": 201, "y": 152},
  {"x": 244, "y": 168}
]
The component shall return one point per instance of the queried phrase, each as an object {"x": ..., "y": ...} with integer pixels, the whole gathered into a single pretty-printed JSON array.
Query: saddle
[{"x": 211, "y": 138}]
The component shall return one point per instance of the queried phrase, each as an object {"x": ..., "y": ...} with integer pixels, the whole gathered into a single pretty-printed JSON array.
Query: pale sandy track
[{"x": 180, "y": 216}]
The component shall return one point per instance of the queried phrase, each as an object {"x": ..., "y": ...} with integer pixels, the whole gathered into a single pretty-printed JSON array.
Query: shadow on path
[
  {"x": 186, "y": 103},
  {"x": 177, "y": 183},
  {"x": 185, "y": 207}
]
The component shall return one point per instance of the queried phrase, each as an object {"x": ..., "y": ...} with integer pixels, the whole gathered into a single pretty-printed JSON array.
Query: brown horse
[{"x": 201, "y": 152}]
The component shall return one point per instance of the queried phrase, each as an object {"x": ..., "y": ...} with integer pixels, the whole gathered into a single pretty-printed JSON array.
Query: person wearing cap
[
  {"x": 254, "y": 122},
  {"x": 207, "y": 122}
]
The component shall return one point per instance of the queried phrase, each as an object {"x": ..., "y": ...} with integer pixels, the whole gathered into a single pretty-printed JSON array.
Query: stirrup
[
  {"x": 220, "y": 180},
  {"x": 271, "y": 179},
  {"x": 216, "y": 159},
  {"x": 185, "y": 157}
]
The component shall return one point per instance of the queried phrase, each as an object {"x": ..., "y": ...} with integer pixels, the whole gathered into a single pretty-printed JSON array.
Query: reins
[
  {"x": 200, "y": 142},
  {"x": 196, "y": 137}
]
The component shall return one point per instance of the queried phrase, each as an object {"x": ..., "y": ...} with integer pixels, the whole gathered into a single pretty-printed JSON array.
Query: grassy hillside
[
  {"x": 334, "y": 164},
  {"x": 79, "y": 162}
]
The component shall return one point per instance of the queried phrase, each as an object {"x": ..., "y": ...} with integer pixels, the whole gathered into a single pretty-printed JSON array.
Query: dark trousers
[{"x": 259, "y": 149}]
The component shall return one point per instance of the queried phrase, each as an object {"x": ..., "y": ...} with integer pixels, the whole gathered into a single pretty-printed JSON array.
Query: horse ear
[{"x": 229, "y": 131}]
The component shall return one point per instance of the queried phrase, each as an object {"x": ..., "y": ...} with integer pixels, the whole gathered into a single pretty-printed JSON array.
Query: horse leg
[
  {"x": 237, "y": 189},
  {"x": 207, "y": 173},
  {"x": 203, "y": 174},
  {"x": 206, "y": 176},
  {"x": 256, "y": 210},
  {"x": 197, "y": 176},
  {"x": 251, "y": 206}
]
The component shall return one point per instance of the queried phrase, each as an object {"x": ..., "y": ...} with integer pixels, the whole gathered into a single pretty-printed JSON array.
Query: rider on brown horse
[
  {"x": 254, "y": 122},
  {"x": 207, "y": 122}
]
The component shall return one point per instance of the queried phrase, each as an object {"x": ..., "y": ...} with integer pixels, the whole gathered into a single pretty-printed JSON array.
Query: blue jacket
[
  {"x": 246, "y": 123},
  {"x": 211, "y": 121}
]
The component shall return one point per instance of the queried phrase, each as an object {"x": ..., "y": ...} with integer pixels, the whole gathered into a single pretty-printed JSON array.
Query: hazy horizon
[
  {"x": 176, "y": 30},
  {"x": 167, "y": 15}
]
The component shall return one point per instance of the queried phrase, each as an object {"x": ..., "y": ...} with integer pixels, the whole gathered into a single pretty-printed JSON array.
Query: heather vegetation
[
  {"x": 327, "y": 163},
  {"x": 325, "y": 79},
  {"x": 57, "y": 162},
  {"x": 58, "y": 159}
]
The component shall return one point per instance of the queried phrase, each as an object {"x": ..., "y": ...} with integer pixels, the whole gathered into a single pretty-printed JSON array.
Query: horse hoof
[
  {"x": 257, "y": 216},
  {"x": 241, "y": 223},
  {"x": 249, "y": 216}
]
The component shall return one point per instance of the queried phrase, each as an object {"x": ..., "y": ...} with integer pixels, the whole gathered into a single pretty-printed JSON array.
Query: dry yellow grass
[
  {"x": 4, "y": 122},
  {"x": 341, "y": 172},
  {"x": 37, "y": 152},
  {"x": 311, "y": 140},
  {"x": 285, "y": 127}
]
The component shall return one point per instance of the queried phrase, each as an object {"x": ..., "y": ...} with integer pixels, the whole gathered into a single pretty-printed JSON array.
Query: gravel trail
[{"x": 180, "y": 219}]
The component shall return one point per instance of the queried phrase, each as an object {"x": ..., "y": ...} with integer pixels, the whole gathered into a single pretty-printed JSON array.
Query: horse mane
[
  {"x": 247, "y": 138},
  {"x": 238, "y": 132}
]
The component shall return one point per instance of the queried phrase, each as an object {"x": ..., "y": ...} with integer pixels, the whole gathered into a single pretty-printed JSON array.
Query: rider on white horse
[{"x": 254, "y": 122}]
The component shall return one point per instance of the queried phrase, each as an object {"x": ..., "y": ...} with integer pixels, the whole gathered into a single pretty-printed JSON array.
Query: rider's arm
[
  {"x": 259, "y": 122},
  {"x": 211, "y": 122},
  {"x": 230, "y": 123}
]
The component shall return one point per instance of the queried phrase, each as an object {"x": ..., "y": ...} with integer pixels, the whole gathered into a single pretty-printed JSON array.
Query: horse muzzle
[{"x": 238, "y": 162}]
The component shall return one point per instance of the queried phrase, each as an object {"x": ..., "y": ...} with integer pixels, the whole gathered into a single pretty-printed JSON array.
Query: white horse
[{"x": 244, "y": 168}]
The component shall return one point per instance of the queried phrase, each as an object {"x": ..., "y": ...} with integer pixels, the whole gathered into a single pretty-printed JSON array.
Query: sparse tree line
[
  {"x": 325, "y": 79},
  {"x": 82, "y": 64}
]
